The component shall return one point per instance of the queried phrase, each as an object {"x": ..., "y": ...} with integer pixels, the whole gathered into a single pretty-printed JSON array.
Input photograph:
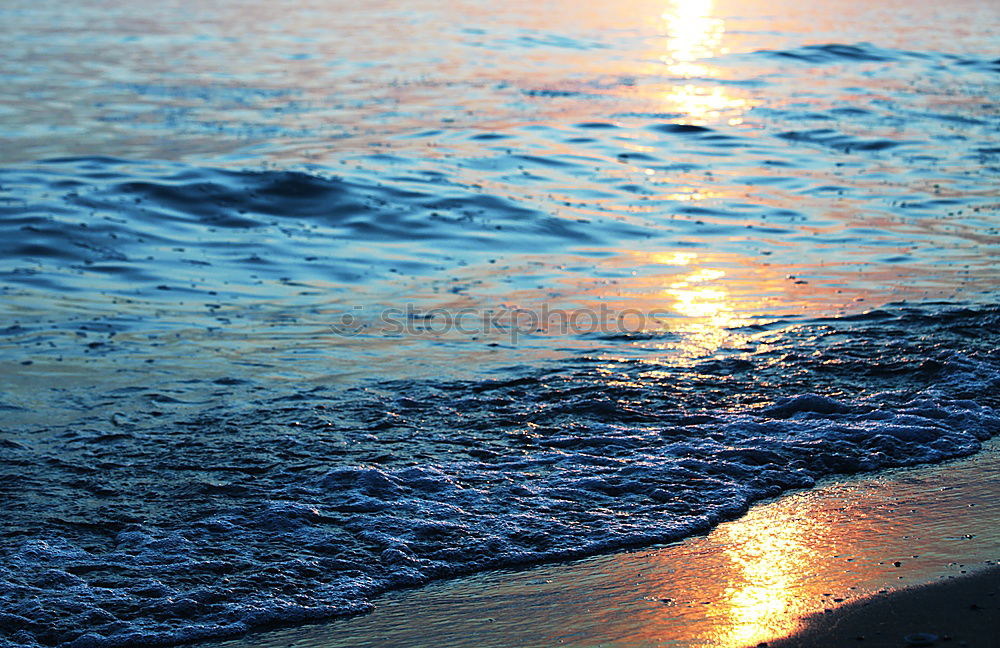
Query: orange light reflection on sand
[
  {"x": 768, "y": 556},
  {"x": 758, "y": 576}
]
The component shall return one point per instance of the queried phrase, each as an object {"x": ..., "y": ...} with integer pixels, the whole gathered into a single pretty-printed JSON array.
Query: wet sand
[
  {"x": 962, "y": 612},
  {"x": 748, "y": 581}
]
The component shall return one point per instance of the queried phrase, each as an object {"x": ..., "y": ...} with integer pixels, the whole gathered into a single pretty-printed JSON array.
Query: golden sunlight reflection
[
  {"x": 758, "y": 576},
  {"x": 694, "y": 35},
  {"x": 769, "y": 555},
  {"x": 703, "y": 297},
  {"x": 694, "y": 302},
  {"x": 706, "y": 103},
  {"x": 676, "y": 258}
]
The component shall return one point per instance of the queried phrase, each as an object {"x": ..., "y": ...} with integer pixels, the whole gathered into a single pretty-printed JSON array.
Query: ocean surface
[{"x": 301, "y": 303}]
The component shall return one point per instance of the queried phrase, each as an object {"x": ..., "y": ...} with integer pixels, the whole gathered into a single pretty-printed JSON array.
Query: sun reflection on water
[
  {"x": 702, "y": 296},
  {"x": 695, "y": 35},
  {"x": 693, "y": 303},
  {"x": 695, "y": 299}
]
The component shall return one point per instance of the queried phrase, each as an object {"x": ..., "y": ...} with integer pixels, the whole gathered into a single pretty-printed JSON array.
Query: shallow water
[{"x": 304, "y": 304}]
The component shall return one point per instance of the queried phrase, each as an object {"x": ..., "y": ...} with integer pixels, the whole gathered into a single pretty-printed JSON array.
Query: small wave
[
  {"x": 136, "y": 226},
  {"x": 681, "y": 129},
  {"x": 836, "y": 53},
  {"x": 833, "y": 139}
]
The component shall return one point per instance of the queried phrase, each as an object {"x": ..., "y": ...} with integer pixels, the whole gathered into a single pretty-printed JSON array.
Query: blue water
[{"x": 302, "y": 305}]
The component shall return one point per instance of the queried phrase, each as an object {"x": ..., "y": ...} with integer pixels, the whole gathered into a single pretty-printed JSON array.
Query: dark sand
[{"x": 962, "y": 611}]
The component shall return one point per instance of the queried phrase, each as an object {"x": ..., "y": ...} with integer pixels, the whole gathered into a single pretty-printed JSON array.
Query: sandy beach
[{"x": 961, "y": 611}]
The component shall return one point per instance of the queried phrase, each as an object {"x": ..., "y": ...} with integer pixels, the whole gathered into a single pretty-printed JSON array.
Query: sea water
[{"x": 302, "y": 303}]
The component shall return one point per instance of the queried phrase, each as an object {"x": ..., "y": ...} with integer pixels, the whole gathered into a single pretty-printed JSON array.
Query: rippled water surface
[{"x": 306, "y": 302}]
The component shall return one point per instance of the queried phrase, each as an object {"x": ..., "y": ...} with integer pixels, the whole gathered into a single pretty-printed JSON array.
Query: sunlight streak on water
[{"x": 693, "y": 34}]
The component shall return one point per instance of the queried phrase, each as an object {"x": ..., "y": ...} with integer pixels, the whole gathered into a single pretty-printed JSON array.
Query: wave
[
  {"x": 184, "y": 524},
  {"x": 131, "y": 227}
]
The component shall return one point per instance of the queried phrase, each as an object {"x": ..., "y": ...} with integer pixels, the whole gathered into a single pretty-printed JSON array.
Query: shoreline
[{"x": 756, "y": 579}]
